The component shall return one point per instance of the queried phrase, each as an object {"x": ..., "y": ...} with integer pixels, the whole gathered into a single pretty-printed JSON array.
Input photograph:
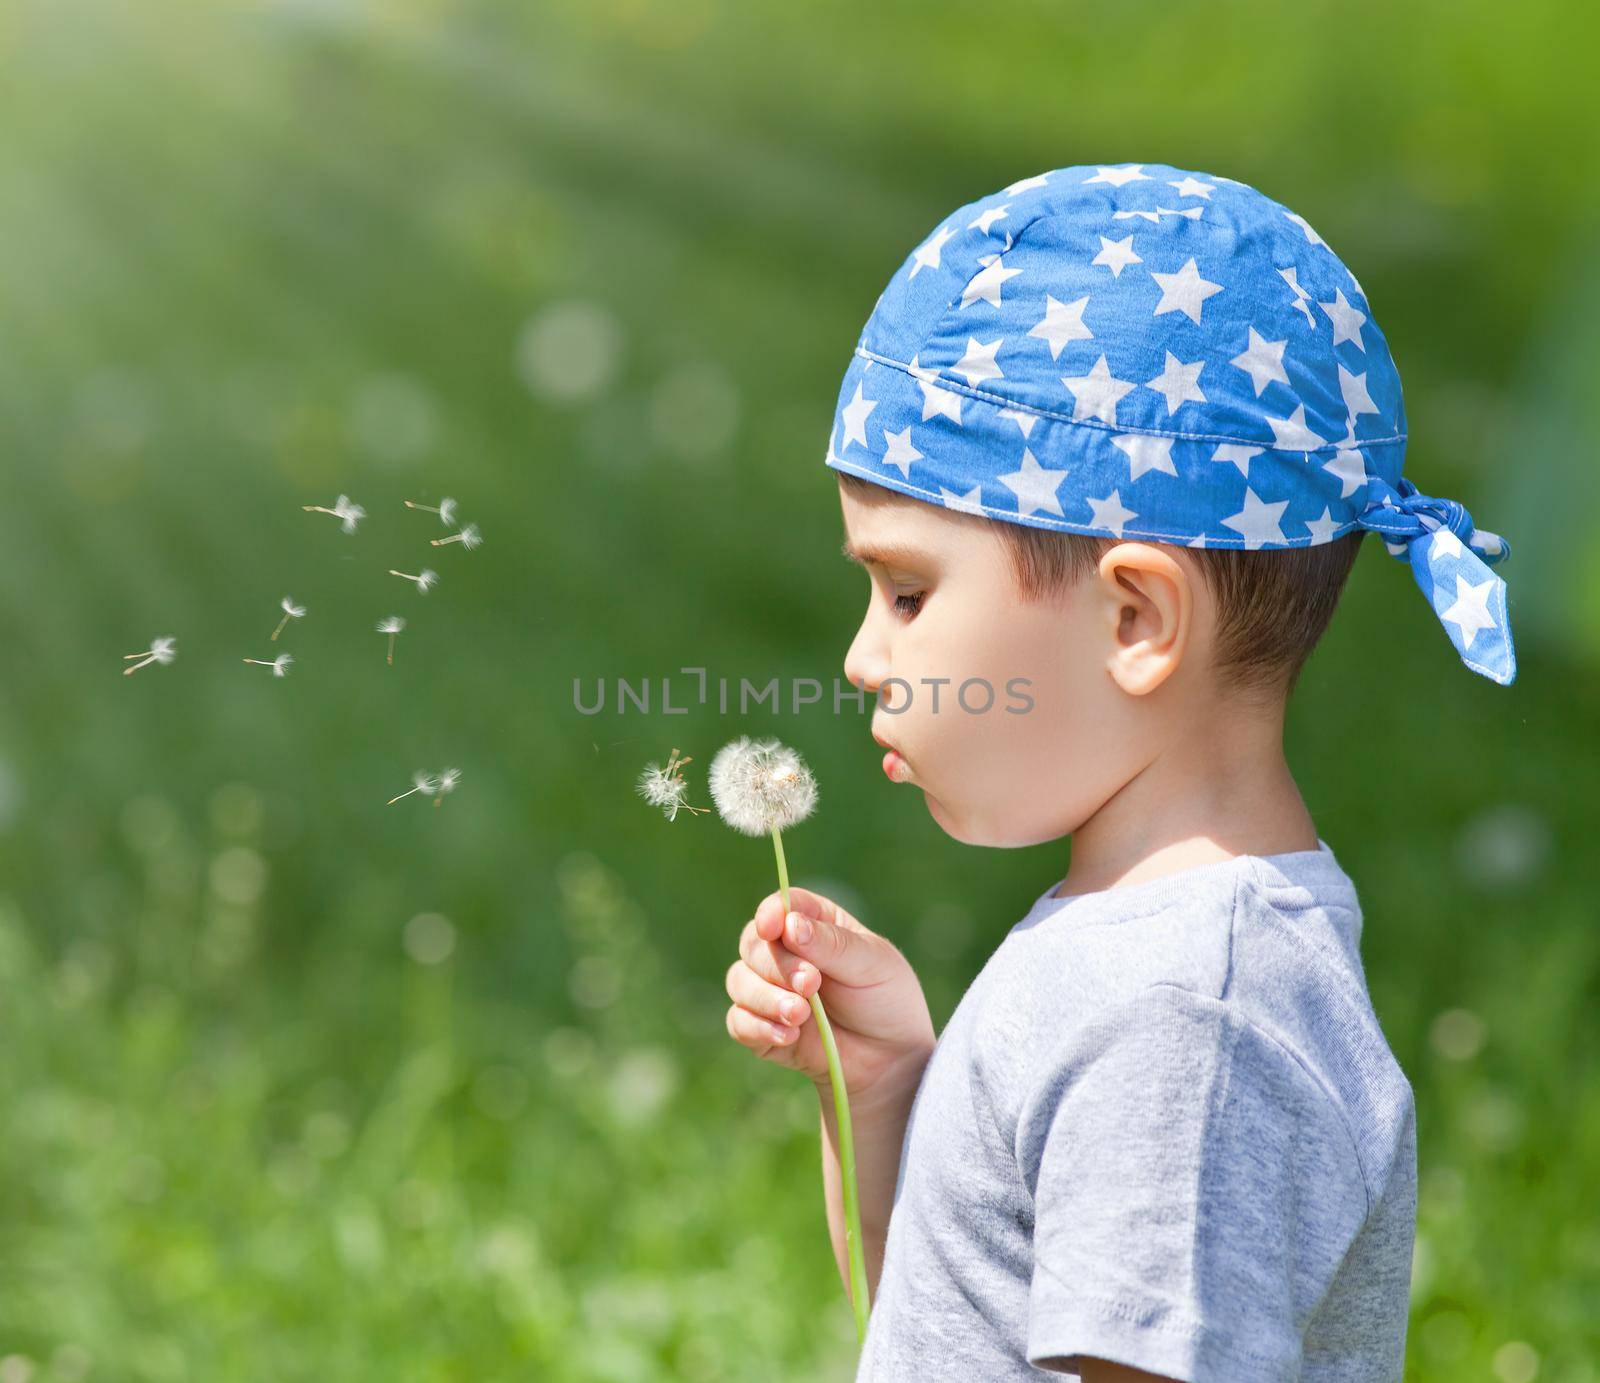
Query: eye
[{"x": 908, "y": 605}]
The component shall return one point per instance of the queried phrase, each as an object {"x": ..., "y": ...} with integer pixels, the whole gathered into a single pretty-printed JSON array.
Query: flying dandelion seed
[
  {"x": 446, "y": 510},
  {"x": 391, "y": 626},
  {"x": 665, "y": 787},
  {"x": 446, "y": 783},
  {"x": 422, "y": 782},
  {"x": 290, "y": 611},
  {"x": 344, "y": 509},
  {"x": 162, "y": 650},
  {"x": 468, "y": 537},
  {"x": 279, "y": 665},
  {"x": 424, "y": 578}
]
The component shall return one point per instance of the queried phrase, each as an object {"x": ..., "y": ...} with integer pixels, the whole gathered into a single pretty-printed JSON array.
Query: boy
[{"x": 1118, "y": 431}]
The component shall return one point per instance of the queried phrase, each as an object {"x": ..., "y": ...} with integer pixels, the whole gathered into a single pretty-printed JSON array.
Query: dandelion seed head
[
  {"x": 448, "y": 780},
  {"x": 759, "y": 785},
  {"x": 425, "y": 782},
  {"x": 661, "y": 790},
  {"x": 290, "y": 608},
  {"x": 425, "y": 578},
  {"x": 470, "y": 537},
  {"x": 447, "y": 512},
  {"x": 280, "y": 664},
  {"x": 392, "y": 625},
  {"x": 164, "y": 649}
]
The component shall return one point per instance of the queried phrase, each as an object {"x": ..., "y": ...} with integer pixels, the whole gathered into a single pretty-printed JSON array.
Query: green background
[{"x": 298, "y": 1085}]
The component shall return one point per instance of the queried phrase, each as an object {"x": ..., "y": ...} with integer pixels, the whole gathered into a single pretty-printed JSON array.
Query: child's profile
[{"x": 1111, "y": 439}]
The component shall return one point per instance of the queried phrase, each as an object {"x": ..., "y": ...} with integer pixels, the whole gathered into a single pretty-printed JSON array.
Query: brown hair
[{"x": 1273, "y": 605}]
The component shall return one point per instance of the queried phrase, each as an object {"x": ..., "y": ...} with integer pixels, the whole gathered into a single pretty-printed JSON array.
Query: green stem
[{"x": 847, "y": 1146}]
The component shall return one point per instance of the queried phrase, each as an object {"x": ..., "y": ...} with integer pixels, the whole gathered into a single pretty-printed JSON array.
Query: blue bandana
[{"x": 1146, "y": 353}]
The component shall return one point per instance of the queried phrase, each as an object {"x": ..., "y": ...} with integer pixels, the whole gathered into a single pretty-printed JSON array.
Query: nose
[{"x": 866, "y": 663}]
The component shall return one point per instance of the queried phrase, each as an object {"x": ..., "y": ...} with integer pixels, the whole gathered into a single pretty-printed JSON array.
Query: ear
[{"x": 1149, "y": 605}]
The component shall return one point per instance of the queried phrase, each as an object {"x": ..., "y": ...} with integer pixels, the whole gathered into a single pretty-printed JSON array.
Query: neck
[{"x": 1204, "y": 798}]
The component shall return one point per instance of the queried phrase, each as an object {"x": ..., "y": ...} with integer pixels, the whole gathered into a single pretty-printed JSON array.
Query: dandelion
[
  {"x": 290, "y": 611},
  {"x": 665, "y": 787},
  {"x": 446, "y": 783},
  {"x": 422, "y": 782},
  {"x": 446, "y": 510},
  {"x": 468, "y": 537},
  {"x": 391, "y": 626},
  {"x": 162, "y": 650},
  {"x": 344, "y": 509},
  {"x": 424, "y": 578},
  {"x": 279, "y": 665},
  {"x": 761, "y": 787}
]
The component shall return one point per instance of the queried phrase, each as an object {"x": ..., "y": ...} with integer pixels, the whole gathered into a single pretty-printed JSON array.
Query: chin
[{"x": 969, "y": 833}]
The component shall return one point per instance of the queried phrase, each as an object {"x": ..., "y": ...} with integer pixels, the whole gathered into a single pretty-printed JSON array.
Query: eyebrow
[{"x": 885, "y": 555}]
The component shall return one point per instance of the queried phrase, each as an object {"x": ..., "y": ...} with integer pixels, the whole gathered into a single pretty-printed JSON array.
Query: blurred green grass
[{"x": 595, "y": 270}]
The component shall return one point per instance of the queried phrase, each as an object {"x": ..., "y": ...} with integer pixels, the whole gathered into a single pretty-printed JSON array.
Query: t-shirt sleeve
[{"x": 1194, "y": 1190}]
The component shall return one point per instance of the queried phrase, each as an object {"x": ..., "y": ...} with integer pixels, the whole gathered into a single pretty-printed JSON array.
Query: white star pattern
[
  {"x": 927, "y": 256},
  {"x": 1238, "y": 454},
  {"x": 1258, "y": 521},
  {"x": 1034, "y": 486},
  {"x": 969, "y": 503},
  {"x": 1024, "y": 421},
  {"x": 1096, "y": 394},
  {"x": 1023, "y": 184},
  {"x": 985, "y": 284},
  {"x": 1062, "y": 322},
  {"x": 855, "y": 418},
  {"x": 1470, "y": 613},
  {"x": 935, "y": 401},
  {"x": 1178, "y": 383},
  {"x": 1348, "y": 465},
  {"x": 1193, "y": 187},
  {"x": 1347, "y": 322},
  {"x": 1264, "y": 360},
  {"x": 1323, "y": 529},
  {"x": 978, "y": 364},
  {"x": 1305, "y": 225},
  {"x": 1292, "y": 434},
  {"x": 1127, "y": 213},
  {"x": 899, "y": 450},
  {"x": 1184, "y": 291},
  {"x": 1119, "y": 177},
  {"x": 1444, "y": 543},
  {"x": 1145, "y": 453},
  {"x": 1116, "y": 255},
  {"x": 1109, "y": 513},
  {"x": 1356, "y": 398},
  {"x": 986, "y": 219},
  {"x": 1302, "y": 299}
]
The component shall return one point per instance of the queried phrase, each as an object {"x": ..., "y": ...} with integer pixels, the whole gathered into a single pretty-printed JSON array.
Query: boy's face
[{"x": 944, "y": 604}]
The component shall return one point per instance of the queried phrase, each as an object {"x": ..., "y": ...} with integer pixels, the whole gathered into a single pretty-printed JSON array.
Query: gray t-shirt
[{"x": 1162, "y": 1127}]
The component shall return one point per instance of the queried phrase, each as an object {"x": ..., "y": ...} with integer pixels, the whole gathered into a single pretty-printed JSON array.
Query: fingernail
[
  {"x": 782, "y": 1034},
  {"x": 792, "y": 1010},
  {"x": 800, "y": 927}
]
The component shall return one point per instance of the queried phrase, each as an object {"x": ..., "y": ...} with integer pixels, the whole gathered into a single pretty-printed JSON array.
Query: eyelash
[{"x": 907, "y": 605}]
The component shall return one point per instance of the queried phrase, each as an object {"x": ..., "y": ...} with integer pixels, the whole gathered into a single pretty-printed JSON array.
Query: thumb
[{"x": 851, "y": 956}]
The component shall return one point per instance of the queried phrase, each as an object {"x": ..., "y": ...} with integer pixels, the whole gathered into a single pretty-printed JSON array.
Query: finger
[
  {"x": 848, "y": 956},
  {"x": 769, "y": 913},
  {"x": 775, "y": 962},
  {"x": 757, "y": 1033},
  {"x": 773, "y": 1002}
]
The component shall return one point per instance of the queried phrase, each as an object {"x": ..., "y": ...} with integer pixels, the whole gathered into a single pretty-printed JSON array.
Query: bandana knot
[{"x": 1400, "y": 514}]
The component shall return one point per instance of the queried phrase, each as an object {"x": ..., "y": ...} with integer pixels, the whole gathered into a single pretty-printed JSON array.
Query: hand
[{"x": 873, "y": 999}]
